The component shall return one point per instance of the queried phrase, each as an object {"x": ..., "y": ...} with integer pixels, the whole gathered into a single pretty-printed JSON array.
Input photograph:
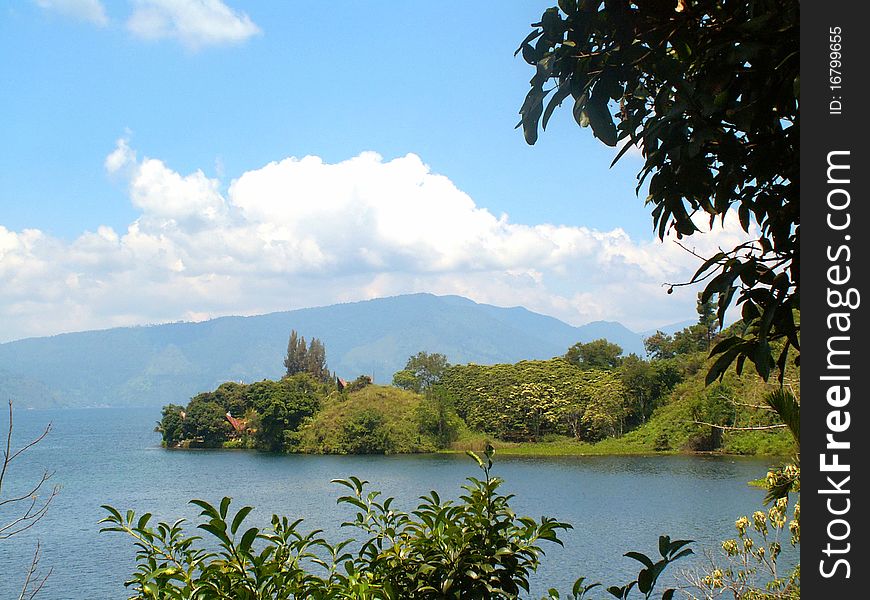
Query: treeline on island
[{"x": 591, "y": 399}]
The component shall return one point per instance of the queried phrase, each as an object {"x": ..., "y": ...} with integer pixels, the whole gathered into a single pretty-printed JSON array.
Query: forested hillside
[
  {"x": 161, "y": 364},
  {"x": 591, "y": 399}
]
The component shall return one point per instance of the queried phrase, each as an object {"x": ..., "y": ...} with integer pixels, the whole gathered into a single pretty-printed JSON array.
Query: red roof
[{"x": 238, "y": 424}]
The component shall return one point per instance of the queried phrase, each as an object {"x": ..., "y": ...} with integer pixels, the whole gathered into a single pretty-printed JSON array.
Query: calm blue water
[{"x": 112, "y": 456}]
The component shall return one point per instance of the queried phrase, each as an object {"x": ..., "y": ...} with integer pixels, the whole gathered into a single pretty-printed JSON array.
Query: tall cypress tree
[
  {"x": 297, "y": 353},
  {"x": 316, "y": 360}
]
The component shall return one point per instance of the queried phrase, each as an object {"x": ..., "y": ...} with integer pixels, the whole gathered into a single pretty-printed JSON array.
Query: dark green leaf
[
  {"x": 664, "y": 545},
  {"x": 602, "y": 122},
  {"x": 645, "y": 580},
  {"x": 248, "y": 539},
  {"x": 240, "y": 516},
  {"x": 642, "y": 558}
]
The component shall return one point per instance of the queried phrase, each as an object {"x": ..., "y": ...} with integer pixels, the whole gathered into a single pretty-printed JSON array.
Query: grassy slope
[{"x": 325, "y": 433}]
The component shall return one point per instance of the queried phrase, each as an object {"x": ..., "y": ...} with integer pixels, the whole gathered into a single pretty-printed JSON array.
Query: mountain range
[{"x": 158, "y": 364}]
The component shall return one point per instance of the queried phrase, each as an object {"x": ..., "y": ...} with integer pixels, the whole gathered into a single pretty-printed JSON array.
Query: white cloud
[
  {"x": 92, "y": 11},
  {"x": 195, "y": 23},
  {"x": 302, "y": 232},
  {"x": 121, "y": 157}
]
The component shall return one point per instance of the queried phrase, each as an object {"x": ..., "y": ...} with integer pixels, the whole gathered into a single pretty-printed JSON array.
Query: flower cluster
[{"x": 752, "y": 555}]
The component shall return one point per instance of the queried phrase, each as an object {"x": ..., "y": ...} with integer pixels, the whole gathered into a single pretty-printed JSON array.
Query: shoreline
[{"x": 531, "y": 449}]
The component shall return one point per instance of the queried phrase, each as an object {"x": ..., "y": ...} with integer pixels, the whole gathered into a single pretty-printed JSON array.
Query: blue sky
[{"x": 135, "y": 188}]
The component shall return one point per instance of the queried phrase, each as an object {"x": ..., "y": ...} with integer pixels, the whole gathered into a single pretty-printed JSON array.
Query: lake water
[{"x": 113, "y": 456}]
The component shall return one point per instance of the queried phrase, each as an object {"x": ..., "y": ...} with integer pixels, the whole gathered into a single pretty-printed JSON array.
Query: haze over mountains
[{"x": 156, "y": 365}]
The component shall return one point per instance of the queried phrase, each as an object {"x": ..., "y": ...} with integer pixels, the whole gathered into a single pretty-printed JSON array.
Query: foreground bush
[{"x": 475, "y": 548}]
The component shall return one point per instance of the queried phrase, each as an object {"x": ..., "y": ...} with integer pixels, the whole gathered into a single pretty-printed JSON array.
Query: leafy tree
[
  {"x": 530, "y": 399},
  {"x": 422, "y": 371},
  {"x": 391, "y": 419},
  {"x": 644, "y": 385},
  {"x": 714, "y": 409},
  {"x": 691, "y": 339},
  {"x": 598, "y": 354},
  {"x": 542, "y": 404},
  {"x": 172, "y": 425},
  {"x": 709, "y": 92},
  {"x": 405, "y": 380},
  {"x": 231, "y": 395},
  {"x": 694, "y": 338},
  {"x": 519, "y": 401},
  {"x": 206, "y": 419},
  {"x": 607, "y": 407},
  {"x": 659, "y": 346},
  {"x": 437, "y": 417},
  {"x": 282, "y": 406}
]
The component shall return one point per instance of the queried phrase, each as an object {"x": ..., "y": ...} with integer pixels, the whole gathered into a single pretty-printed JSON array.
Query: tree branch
[
  {"x": 31, "y": 514},
  {"x": 31, "y": 573},
  {"x": 752, "y": 428}
]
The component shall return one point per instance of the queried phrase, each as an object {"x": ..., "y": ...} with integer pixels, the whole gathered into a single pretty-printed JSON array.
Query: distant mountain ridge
[{"x": 159, "y": 364}]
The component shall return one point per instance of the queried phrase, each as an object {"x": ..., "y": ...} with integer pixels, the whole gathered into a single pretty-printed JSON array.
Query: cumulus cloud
[
  {"x": 302, "y": 232},
  {"x": 195, "y": 23},
  {"x": 91, "y": 11}
]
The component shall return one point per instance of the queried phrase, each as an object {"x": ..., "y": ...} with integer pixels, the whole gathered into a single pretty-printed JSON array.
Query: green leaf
[
  {"x": 530, "y": 54},
  {"x": 248, "y": 539},
  {"x": 725, "y": 345},
  {"x": 113, "y": 512},
  {"x": 569, "y": 7},
  {"x": 628, "y": 145},
  {"x": 641, "y": 558},
  {"x": 601, "y": 121},
  {"x": 681, "y": 554},
  {"x": 645, "y": 580},
  {"x": 788, "y": 408},
  {"x": 676, "y": 545},
  {"x": 475, "y": 457},
  {"x": 240, "y": 516},
  {"x": 207, "y": 509},
  {"x": 664, "y": 544},
  {"x": 143, "y": 521},
  {"x": 530, "y": 113},
  {"x": 722, "y": 363},
  {"x": 563, "y": 92},
  {"x": 216, "y": 531},
  {"x": 534, "y": 34},
  {"x": 579, "y": 111},
  {"x": 225, "y": 505}
]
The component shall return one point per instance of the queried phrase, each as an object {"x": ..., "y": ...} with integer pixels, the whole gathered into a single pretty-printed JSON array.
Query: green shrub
[
  {"x": 475, "y": 548},
  {"x": 365, "y": 433},
  {"x": 662, "y": 443},
  {"x": 358, "y": 383}
]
